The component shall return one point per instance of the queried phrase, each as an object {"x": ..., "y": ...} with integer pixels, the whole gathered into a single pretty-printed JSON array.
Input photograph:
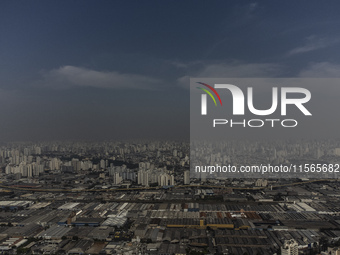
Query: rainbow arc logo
[
  {"x": 204, "y": 97},
  {"x": 209, "y": 93}
]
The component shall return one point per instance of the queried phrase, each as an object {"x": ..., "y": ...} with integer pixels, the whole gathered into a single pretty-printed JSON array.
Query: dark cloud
[{"x": 116, "y": 68}]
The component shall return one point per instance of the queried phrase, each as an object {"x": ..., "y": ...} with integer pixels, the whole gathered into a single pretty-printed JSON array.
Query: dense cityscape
[
  {"x": 138, "y": 198},
  {"x": 172, "y": 127}
]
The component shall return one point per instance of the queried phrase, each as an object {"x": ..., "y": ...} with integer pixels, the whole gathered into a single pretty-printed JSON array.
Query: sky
[{"x": 88, "y": 70}]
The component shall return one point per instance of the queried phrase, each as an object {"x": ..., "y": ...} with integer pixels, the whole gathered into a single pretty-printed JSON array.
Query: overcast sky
[{"x": 119, "y": 69}]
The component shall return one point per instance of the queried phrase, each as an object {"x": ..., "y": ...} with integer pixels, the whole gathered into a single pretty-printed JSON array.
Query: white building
[
  {"x": 166, "y": 179},
  {"x": 117, "y": 178},
  {"x": 143, "y": 178},
  {"x": 290, "y": 247}
]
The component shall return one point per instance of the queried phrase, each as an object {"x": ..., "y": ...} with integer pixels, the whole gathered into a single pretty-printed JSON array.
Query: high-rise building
[
  {"x": 76, "y": 164},
  {"x": 261, "y": 183},
  {"x": 143, "y": 178},
  {"x": 112, "y": 171},
  {"x": 142, "y": 166},
  {"x": 166, "y": 179},
  {"x": 163, "y": 180},
  {"x": 102, "y": 164},
  {"x": 37, "y": 150},
  {"x": 54, "y": 164},
  {"x": 186, "y": 177},
  {"x": 117, "y": 178},
  {"x": 290, "y": 247},
  {"x": 29, "y": 170},
  {"x": 337, "y": 151}
]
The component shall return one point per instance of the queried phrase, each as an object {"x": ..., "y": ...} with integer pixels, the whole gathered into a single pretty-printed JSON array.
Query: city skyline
[
  {"x": 169, "y": 127},
  {"x": 138, "y": 198}
]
